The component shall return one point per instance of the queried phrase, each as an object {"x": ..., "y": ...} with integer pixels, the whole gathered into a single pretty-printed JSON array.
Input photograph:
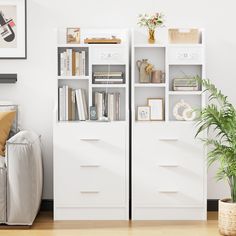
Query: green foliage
[{"x": 219, "y": 117}]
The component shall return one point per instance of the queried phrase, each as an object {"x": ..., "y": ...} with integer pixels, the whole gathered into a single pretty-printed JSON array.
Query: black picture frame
[{"x": 24, "y": 56}]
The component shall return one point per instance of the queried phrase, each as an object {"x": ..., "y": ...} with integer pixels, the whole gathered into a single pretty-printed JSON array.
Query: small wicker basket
[
  {"x": 227, "y": 217},
  {"x": 187, "y": 36}
]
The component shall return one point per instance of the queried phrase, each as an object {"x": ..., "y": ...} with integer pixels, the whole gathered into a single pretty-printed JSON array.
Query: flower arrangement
[{"x": 151, "y": 21}]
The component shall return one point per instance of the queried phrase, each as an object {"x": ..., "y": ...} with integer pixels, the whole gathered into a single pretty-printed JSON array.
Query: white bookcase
[
  {"x": 168, "y": 163},
  {"x": 91, "y": 158}
]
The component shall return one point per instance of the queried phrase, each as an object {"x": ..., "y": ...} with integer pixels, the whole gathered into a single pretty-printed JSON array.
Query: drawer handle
[
  {"x": 89, "y": 192},
  {"x": 169, "y": 165},
  {"x": 88, "y": 166},
  {"x": 169, "y": 139},
  {"x": 90, "y": 139},
  {"x": 168, "y": 191}
]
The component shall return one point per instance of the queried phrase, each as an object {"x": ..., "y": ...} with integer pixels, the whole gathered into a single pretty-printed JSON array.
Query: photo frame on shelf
[
  {"x": 13, "y": 29},
  {"x": 73, "y": 35},
  {"x": 156, "y": 108},
  {"x": 143, "y": 113}
]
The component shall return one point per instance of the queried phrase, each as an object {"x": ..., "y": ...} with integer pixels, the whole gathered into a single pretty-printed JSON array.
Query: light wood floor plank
[{"x": 45, "y": 226}]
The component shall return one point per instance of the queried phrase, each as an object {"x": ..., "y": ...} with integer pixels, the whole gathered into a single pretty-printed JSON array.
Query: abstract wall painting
[{"x": 13, "y": 29}]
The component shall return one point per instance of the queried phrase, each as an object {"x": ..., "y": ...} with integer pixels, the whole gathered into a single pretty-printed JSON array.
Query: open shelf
[{"x": 155, "y": 56}]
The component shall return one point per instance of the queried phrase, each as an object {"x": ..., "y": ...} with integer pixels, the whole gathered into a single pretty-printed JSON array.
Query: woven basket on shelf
[
  {"x": 227, "y": 217},
  {"x": 184, "y": 36}
]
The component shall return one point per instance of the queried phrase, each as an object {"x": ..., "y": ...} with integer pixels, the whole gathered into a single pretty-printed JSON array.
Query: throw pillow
[{"x": 6, "y": 120}]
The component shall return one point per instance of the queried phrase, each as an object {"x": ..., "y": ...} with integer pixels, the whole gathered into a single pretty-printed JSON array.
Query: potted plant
[
  {"x": 219, "y": 117},
  {"x": 151, "y": 22}
]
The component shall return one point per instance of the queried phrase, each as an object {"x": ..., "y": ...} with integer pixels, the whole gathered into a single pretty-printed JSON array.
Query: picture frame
[
  {"x": 73, "y": 35},
  {"x": 143, "y": 113},
  {"x": 156, "y": 109},
  {"x": 13, "y": 29}
]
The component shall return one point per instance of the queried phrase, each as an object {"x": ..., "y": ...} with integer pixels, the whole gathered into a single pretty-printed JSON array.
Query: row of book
[
  {"x": 107, "y": 105},
  {"x": 72, "y": 63},
  {"x": 185, "y": 84},
  {"x": 72, "y": 104},
  {"x": 108, "y": 77}
]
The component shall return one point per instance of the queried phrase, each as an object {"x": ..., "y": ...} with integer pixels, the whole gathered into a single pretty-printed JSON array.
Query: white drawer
[
  {"x": 168, "y": 165},
  {"x": 109, "y": 55},
  {"x": 90, "y": 165},
  {"x": 185, "y": 55}
]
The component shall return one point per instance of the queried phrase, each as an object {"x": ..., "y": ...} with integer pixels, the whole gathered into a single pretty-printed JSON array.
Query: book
[
  {"x": 117, "y": 109},
  {"x": 111, "y": 106},
  {"x": 77, "y": 63},
  {"x": 79, "y": 104},
  {"x": 107, "y": 74},
  {"x": 108, "y": 81},
  {"x": 83, "y": 62},
  {"x": 69, "y": 105},
  {"x": 99, "y": 104},
  {"x": 73, "y": 63},
  {"x": 85, "y": 108},
  {"x": 185, "y": 88},
  {"x": 80, "y": 64},
  {"x": 64, "y": 102},
  {"x": 73, "y": 109},
  {"x": 61, "y": 102}
]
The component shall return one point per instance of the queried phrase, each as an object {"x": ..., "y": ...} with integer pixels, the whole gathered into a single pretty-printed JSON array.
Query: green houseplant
[{"x": 219, "y": 117}]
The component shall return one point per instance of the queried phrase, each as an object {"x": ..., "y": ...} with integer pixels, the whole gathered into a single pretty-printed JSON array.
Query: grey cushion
[{"x": 25, "y": 178}]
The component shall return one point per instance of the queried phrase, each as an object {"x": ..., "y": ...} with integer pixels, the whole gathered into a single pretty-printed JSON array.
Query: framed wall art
[
  {"x": 73, "y": 35},
  {"x": 13, "y": 29},
  {"x": 143, "y": 113},
  {"x": 156, "y": 108}
]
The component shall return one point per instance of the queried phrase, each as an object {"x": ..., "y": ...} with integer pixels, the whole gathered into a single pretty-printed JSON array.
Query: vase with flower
[{"x": 151, "y": 22}]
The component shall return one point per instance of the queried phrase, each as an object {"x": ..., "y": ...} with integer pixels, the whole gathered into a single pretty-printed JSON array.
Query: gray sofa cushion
[{"x": 25, "y": 178}]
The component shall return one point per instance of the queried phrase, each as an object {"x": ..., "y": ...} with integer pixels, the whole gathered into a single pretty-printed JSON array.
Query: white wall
[{"x": 36, "y": 75}]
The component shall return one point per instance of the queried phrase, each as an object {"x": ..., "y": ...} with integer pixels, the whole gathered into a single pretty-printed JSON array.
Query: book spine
[
  {"x": 62, "y": 64},
  {"x": 73, "y": 104},
  {"x": 81, "y": 105},
  {"x": 66, "y": 102},
  {"x": 178, "y": 88},
  {"x": 111, "y": 107},
  {"x": 77, "y": 63},
  {"x": 83, "y": 63},
  {"x": 73, "y": 63},
  {"x": 84, "y": 104},
  {"x": 118, "y": 106},
  {"x": 63, "y": 101},
  {"x": 80, "y": 64},
  {"x": 60, "y": 103},
  {"x": 99, "y": 105},
  {"x": 70, "y": 104},
  {"x": 78, "y": 104}
]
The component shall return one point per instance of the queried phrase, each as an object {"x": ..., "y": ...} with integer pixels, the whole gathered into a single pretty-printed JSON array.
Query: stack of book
[
  {"x": 108, "y": 105},
  {"x": 108, "y": 77},
  {"x": 72, "y": 104},
  {"x": 185, "y": 84},
  {"x": 72, "y": 63}
]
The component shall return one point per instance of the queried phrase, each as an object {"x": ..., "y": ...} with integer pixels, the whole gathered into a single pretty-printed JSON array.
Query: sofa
[{"x": 21, "y": 179}]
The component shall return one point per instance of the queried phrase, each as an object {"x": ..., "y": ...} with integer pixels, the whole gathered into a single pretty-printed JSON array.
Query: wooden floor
[{"x": 45, "y": 226}]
